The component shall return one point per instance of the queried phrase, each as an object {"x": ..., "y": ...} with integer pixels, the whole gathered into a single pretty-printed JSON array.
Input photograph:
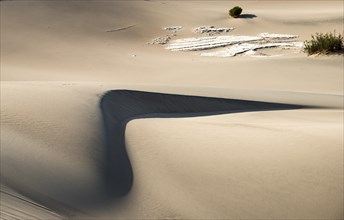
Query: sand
[{"x": 58, "y": 58}]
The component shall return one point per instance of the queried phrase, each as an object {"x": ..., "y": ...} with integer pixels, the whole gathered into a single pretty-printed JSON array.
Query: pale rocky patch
[
  {"x": 205, "y": 43},
  {"x": 249, "y": 48},
  {"x": 277, "y": 36},
  {"x": 238, "y": 44}
]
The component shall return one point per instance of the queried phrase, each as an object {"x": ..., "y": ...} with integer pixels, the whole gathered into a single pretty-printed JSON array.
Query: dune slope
[{"x": 58, "y": 58}]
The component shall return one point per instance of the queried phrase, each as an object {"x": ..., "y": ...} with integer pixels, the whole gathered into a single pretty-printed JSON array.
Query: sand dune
[
  {"x": 76, "y": 165},
  {"x": 58, "y": 58}
]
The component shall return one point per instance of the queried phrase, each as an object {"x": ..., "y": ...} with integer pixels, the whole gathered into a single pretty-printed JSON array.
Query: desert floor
[{"x": 59, "y": 57}]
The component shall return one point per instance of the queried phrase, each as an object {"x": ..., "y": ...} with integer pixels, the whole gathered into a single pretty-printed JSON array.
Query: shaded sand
[
  {"x": 122, "y": 106},
  {"x": 58, "y": 58}
]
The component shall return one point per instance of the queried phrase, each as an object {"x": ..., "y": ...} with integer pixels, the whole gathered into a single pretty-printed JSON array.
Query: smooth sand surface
[{"x": 57, "y": 60}]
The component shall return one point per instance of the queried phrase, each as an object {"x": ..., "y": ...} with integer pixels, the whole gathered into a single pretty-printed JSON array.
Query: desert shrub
[
  {"x": 235, "y": 12},
  {"x": 324, "y": 44}
]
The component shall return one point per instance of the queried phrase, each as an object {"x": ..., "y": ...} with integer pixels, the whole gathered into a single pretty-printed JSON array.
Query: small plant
[
  {"x": 324, "y": 44},
  {"x": 235, "y": 12}
]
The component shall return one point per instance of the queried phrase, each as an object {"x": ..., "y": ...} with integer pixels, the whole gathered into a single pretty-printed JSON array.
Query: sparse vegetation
[
  {"x": 324, "y": 44},
  {"x": 235, "y": 12}
]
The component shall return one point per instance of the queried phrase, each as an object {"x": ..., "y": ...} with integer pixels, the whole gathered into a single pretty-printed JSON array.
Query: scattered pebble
[
  {"x": 173, "y": 29},
  {"x": 211, "y": 30},
  {"x": 161, "y": 40}
]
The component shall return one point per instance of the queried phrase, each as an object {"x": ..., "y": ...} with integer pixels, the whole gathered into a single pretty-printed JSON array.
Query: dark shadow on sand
[
  {"x": 120, "y": 106},
  {"x": 248, "y": 16}
]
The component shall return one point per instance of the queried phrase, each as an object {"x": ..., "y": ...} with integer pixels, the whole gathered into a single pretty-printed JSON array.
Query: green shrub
[
  {"x": 324, "y": 44},
  {"x": 235, "y": 12}
]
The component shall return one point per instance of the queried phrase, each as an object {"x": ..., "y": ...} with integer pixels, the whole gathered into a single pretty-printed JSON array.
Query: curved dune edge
[{"x": 121, "y": 106}]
